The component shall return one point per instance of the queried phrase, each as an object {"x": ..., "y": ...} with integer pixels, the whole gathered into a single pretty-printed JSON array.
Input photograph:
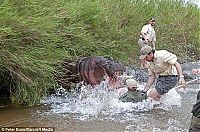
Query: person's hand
[
  {"x": 143, "y": 67},
  {"x": 146, "y": 41},
  {"x": 196, "y": 71},
  {"x": 146, "y": 89},
  {"x": 182, "y": 81}
]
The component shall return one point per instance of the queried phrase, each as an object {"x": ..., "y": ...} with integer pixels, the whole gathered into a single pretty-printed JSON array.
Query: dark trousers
[
  {"x": 195, "y": 121},
  {"x": 165, "y": 83}
]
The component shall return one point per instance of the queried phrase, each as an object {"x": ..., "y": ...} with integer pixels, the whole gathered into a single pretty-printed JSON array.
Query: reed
[{"x": 36, "y": 35}]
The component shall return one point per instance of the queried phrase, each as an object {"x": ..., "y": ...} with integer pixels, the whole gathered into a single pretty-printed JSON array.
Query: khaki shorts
[{"x": 142, "y": 44}]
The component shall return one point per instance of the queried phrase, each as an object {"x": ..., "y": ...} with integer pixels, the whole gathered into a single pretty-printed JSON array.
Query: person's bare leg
[{"x": 154, "y": 94}]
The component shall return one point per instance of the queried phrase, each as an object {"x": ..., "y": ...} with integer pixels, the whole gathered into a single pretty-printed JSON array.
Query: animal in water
[{"x": 91, "y": 70}]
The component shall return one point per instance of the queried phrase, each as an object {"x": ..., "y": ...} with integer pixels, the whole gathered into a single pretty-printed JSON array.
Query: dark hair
[
  {"x": 153, "y": 19},
  {"x": 153, "y": 51}
]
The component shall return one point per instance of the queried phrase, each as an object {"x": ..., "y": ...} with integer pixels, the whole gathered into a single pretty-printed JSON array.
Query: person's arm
[
  {"x": 144, "y": 35},
  {"x": 154, "y": 41},
  {"x": 154, "y": 44},
  {"x": 150, "y": 81},
  {"x": 196, "y": 71},
  {"x": 180, "y": 73}
]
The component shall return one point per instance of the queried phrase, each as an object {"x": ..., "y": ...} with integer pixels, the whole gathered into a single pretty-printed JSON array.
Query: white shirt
[
  {"x": 163, "y": 63},
  {"x": 150, "y": 32}
]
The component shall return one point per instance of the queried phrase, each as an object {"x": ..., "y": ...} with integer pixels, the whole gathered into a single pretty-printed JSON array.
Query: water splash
[
  {"x": 100, "y": 101},
  {"x": 172, "y": 98}
]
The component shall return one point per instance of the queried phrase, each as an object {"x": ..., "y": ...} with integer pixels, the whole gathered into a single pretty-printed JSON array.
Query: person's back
[
  {"x": 163, "y": 63},
  {"x": 133, "y": 96}
]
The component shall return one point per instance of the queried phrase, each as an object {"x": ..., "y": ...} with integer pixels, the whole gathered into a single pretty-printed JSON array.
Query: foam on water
[
  {"x": 101, "y": 101},
  {"x": 172, "y": 98}
]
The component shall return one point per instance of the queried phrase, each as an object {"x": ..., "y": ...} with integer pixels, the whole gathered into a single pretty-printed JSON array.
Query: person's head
[
  {"x": 152, "y": 21},
  {"x": 131, "y": 83},
  {"x": 147, "y": 53}
]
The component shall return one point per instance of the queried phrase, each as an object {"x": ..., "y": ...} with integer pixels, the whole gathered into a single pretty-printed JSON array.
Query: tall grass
[{"x": 35, "y": 35}]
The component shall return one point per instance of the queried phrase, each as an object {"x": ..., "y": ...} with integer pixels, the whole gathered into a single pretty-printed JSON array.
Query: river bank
[{"x": 37, "y": 36}]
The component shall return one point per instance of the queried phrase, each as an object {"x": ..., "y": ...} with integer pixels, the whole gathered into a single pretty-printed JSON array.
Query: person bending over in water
[{"x": 164, "y": 65}]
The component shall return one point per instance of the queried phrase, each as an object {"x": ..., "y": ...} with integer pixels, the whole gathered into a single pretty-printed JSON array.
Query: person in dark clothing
[
  {"x": 132, "y": 95},
  {"x": 195, "y": 121}
]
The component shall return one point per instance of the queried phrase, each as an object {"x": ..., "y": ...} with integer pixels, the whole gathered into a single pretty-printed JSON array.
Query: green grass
[{"x": 36, "y": 35}]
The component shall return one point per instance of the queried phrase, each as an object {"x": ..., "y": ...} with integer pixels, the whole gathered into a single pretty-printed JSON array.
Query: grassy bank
[{"x": 35, "y": 35}]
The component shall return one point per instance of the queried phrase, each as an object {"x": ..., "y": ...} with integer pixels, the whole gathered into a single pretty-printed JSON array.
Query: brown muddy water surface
[{"x": 60, "y": 117}]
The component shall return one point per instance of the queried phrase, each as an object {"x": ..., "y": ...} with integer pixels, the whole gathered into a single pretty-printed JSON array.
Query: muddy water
[{"x": 103, "y": 114}]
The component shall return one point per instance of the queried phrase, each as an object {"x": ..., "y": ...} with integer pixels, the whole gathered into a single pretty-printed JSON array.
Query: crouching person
[
  {"x": 195, "y": 121},
  {"x": 132, "y": 94}
]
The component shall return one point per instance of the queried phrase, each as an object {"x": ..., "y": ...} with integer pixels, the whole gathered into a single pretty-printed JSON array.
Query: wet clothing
[
  {"x": 150, "y": 35},
  {"x": 195, "y": 122},
  {"x": 133, "y": 96},
  {"x": 165, "y": 83}
]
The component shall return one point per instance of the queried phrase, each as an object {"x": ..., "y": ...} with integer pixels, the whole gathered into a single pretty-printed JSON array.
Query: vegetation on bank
[{"x": 36, "y": 35}]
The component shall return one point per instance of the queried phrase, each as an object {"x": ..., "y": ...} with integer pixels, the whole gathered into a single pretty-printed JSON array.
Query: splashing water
[
  {"x": 100, "y": 108},
  {"x": 100, "y": 101}
]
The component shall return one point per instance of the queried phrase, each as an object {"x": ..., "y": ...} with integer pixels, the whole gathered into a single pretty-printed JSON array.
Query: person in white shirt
[{"x": 147, "y": 37}]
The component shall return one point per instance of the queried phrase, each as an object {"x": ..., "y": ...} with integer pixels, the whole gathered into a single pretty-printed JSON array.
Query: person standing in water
[
  {"x": 165, "y": 65},
  {"x": 195, "y": 121}
]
